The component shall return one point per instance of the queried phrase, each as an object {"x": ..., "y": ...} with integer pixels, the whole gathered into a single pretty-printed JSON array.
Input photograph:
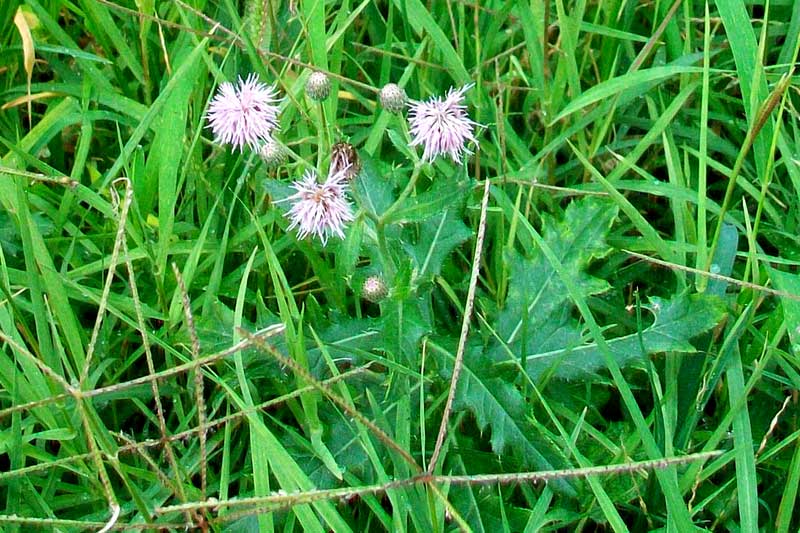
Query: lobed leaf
[
  {"x": 438, "y": 237},
  {"x": 497, "y": 404},
  {"x": 537, "y": 291},
  {"x": 676, "y": 322}
]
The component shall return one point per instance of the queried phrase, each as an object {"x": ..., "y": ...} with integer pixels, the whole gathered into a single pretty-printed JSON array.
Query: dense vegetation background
[{"x": 623, "y": 245}]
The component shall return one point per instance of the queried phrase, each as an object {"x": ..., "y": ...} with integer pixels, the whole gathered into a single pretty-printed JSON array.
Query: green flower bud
[
  {"x": 318, "y": 86},
  {"x": 393, "y": 98},
  {"x": 272, "y": 153}
]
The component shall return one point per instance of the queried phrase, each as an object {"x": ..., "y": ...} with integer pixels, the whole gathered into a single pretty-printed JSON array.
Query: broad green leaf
[
  {"x": 164, "y": 164},
  {"x": 537, "y": 291},
  {"x": 371, "y": 189},
  {"x": 406, "y": 317},
  {"x": 400, "y": 142},
  {"x": 496, "y": 403},
  {"x": 724, "y": 258},
  {"x": 279, "y": 191},
  {"x": 350, "y": 249},
  {"x": 437, "y": 238},
  {"x": 691, "y": 377},
  {"x": 442, "y": 196},
  {"x": 676, "y": 321},
  {"x": 404, "y": 324},
  {"x": 9, "y": 234}
]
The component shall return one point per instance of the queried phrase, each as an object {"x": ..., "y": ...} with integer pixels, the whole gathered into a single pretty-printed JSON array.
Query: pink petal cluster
[
  {"x": 442, "y": 126},
  {"x": 320, "y": 209},
  {"x": 243, "y": 114}
]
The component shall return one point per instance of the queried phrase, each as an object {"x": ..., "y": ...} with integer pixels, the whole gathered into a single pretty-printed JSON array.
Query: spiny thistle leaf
[
  {"x": 537, "y": 303},
  {"x": 498, "y": 404},
  {"x": 536, "y": 290},
  {"x": 536, "y": 326},
  {"x": 405, "y": 321},
  {"x": 371, "y": 189},
  {"x": 438, "y": 237},
  {"x": 676, "y": 321},
  {"x": 443, "y": 195}
]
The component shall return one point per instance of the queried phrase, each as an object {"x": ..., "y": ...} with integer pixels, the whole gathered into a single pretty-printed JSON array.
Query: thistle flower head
[
  {"x": 442, "y": 126},
  {"x": 243, "y": 114},
  {"x": 344, "y": 157},
  {"x": 320, "y": 209},
  {"x": 393, "y": 98},
  {"x": 318, "y": 86}
]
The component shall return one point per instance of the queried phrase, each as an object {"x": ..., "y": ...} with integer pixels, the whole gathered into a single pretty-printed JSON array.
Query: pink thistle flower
[
  {"x": 320, "y": 209},
  {"x": 442, "y": 126},
  {"x": 245, "y": 114}
]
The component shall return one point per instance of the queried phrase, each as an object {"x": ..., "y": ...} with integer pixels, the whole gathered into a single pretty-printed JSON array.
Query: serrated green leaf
[
  {"x": 350, "y": 249},
  {"x": 537, "y": 291},
  {"x": 278, "y": 190},
  {"x": 215, "y": 329},
  {"x": 676, "y": 322},
  {"x": 372, "y": 191},
  {"x": 399, "y": 142},
  {"x": 404, "y": 323},
  {"x": 439, "y": 199},
  {"x": 9, "y": 234},
  {"x": 498, "y": 404},
  {"x": 438, "y": 237}
]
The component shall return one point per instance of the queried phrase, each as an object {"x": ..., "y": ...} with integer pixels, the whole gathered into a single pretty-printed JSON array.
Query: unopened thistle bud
[
  {"x": 344, "y": 157},
  {"x": 272, "y": 153},
  {"x": 374, "y": 289},
  {"x": 318, "y": 86},
  {"x": 393, "y": 98}
]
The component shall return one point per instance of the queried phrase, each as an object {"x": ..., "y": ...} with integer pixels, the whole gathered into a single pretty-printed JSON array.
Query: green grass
[{"x": 591, "y": 323}]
